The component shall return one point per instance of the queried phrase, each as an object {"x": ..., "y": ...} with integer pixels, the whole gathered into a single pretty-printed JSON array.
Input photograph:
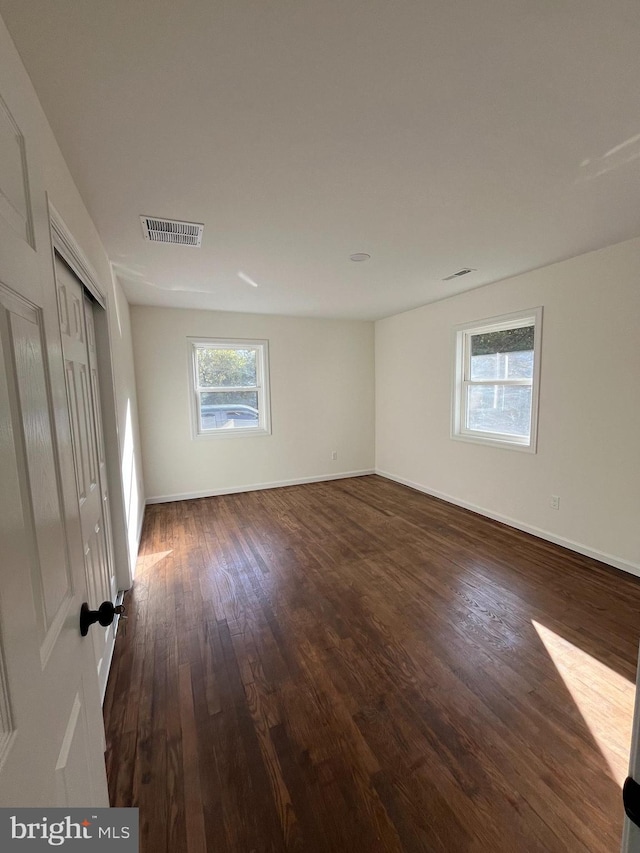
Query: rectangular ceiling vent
[
  {"x": 172, "y": 231},
  {"x": 465, "y": 271}
]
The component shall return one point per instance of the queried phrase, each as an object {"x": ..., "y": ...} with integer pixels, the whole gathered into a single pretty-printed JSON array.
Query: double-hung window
[
  {"x": 229, "y": 387},
  {"x": 497, "y": 369}
]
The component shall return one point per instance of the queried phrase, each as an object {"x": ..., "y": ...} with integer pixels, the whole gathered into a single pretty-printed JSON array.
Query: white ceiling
[{"x": 496, "y": 134}]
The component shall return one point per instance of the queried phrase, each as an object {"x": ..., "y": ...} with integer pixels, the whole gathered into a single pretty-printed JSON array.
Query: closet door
[{"x": 81, "y": 374}]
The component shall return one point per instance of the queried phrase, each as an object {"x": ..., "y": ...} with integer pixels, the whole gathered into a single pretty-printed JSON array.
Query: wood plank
[{"x": 352, "y": 665}]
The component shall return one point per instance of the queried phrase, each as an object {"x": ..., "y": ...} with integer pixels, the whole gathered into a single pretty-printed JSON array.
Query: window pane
[
  {"x": 499, "y": 408},
  {"x": 506, "y": 340},
  {"x": 219, "y": 368},
  {"x": 229, "y": 410},
  {"x": 502, "y": 365}
]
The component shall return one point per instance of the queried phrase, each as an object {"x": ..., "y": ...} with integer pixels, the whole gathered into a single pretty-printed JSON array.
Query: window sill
[
  {"x": 231, "y": 433},
  {"x": 494, "y": 442}
]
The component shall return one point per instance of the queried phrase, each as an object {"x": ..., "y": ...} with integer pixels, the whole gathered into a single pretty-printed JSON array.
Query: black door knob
[{"x": 104, "y": 615}]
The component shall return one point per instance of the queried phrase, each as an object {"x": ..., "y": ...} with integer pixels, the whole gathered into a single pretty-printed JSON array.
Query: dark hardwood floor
[{"x": 354, "y": 666}]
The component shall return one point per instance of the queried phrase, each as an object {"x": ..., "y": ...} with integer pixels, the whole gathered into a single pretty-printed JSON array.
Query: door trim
[{"x": 65, "y": 245}]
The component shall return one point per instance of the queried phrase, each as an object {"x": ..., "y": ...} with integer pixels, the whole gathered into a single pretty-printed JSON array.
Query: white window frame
[
  {"x": 462, "y": 380},
  {"x": 261, "y": 348}
]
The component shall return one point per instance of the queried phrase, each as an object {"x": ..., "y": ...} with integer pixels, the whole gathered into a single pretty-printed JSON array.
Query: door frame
[
  {"x": 64, "y": 244},
  {"x": 631, "y": 832}
]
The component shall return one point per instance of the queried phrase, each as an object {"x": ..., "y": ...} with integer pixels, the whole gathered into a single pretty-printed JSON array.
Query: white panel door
[
  {"x": 81, "y": 374},
  {"x": 51, "y": 733},
  {"x": 90, "y": 308}
]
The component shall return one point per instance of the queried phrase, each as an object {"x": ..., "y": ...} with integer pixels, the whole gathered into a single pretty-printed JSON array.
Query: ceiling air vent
[
  {"x": 464, "y": 271},
  {"x": 172, "y": 231}
]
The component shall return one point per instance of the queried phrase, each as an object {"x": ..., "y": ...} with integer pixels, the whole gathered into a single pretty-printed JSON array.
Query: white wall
[
  {"x": 126, "y": 416},
  {"x": 589, "y": 418},
  {"x": 322, "y": 399},
  {"x": 44, "y": 156}
]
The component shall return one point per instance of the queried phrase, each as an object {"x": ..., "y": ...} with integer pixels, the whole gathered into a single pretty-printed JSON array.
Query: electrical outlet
[
  {"x": 334, "y": 455},
  {"x": 555, "y": 502}
]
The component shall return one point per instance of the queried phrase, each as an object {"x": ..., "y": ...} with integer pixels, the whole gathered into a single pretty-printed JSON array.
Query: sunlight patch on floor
[
  {"x": 147, "y": 561},
  {"x": 603, "y": 697}
]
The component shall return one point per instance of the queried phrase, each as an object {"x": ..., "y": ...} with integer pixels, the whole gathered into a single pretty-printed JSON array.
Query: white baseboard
[
  {"x": 254, "y": 487},
  {"x": 609, "y": 559}
]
